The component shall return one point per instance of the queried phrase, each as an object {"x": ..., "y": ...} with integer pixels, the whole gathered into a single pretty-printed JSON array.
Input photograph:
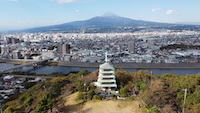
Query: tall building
[
  {"x": 16, "y": 55},
  {"x": 59, "y": 48},
  {"x": 14, "y": 40},
  {"x": 11, "y": 40},
  {"x": 8, "y": 40},
  {"x": 63, "y": 48},
  {"x": 131, "y": 47},
  {"x": 4, "y": 49},
  {"x": 106, "y": 78}
]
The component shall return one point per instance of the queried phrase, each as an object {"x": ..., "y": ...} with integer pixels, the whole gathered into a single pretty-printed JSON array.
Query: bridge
[{"x": 22, "y": 65}]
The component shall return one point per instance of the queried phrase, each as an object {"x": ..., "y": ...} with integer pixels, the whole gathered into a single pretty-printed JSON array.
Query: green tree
[
  {"x": 122, "y": 77},
  {"x": 123, "y": 92},
  {"x": 90, "y": 94},
  {"x": 83, "y": 72},
  {"x": 143, "y": 86},
  {"x": 44, "y": 104},
  {"x": 80, "y": 85}
]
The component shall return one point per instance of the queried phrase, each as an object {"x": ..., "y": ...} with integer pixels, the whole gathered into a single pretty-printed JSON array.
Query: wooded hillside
[{"x": 157, "y": 93}]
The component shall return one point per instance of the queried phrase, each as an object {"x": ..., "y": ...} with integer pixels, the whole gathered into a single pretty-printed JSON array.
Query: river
[{"x": 66, "y": 69}]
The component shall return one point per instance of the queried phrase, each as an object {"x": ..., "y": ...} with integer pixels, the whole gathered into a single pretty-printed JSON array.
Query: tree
[
  {"x": 122, "y": 78},
  {"x": 90, "y": 94},
  {"x": 167, "y": 109},
  {"x": 44, "y": 104},
  {"x": 80, "y": 85},
  {"x": 159, "y": 95},
  {"x": 123, "y": 92},
  {"x": 83, "y": 72},
  {"x": 143, "y": 86}
]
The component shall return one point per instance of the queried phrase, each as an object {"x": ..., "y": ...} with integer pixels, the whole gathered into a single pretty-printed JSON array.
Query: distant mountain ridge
[
  {"x": 101, "y": 24},
  {"x": 189, "y": 23}
]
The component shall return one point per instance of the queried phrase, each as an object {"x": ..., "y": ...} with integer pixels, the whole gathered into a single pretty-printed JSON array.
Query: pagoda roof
[{"x": 106, "y": 65}]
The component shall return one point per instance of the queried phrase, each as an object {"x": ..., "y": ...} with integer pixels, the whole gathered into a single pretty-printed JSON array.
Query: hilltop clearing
[{"x": 101, "y": 106}]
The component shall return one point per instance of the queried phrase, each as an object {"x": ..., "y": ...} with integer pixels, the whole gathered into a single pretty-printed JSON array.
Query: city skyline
[{"x": 22, "y": 14}]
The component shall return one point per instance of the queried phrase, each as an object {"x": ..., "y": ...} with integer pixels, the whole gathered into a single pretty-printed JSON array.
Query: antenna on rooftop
[{"x": 106, "y": 57}]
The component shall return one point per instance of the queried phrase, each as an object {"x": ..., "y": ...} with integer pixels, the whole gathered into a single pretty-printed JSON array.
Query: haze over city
[{"x": 22, "y": 14}]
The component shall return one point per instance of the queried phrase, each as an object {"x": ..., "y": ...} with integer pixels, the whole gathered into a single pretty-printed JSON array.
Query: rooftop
[{"x": 106, "y": 66}]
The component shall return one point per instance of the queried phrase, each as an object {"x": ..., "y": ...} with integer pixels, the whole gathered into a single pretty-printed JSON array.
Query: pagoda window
[
  {"x": 107, "y": 74},
  {"x": 107, "y": 78},
  {"x": 107, "y": 82},
  {"x": 107, "y": 69}
]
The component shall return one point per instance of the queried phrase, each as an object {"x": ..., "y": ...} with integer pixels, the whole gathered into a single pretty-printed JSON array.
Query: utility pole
[
  {"x": 185, "y": 94},
  {"x": 1, "y": 111}
]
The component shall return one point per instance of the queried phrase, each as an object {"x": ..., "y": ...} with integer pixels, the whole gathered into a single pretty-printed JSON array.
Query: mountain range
[{"x": 108, "y": 23}]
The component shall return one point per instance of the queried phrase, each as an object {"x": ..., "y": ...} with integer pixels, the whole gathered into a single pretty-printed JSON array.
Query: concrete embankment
[
  {"x": 116, "y": 65},
  {"x": 22, "y": 61},
  {"x": 14, "y": 61},
  {"x": 135, "y": 65}
]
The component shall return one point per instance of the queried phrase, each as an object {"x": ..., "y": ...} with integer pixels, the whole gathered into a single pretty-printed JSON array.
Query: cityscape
[
  {"x": 142, "y": 47},
  {"x": 91, "y": 56},
  {"x": 137, "y": 47}
]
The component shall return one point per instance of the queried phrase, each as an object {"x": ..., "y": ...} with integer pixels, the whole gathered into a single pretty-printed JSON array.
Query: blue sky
[{"x": 21, "y": 14}]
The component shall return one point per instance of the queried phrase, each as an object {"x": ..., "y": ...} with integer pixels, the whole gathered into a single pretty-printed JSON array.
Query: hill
[
  {"x": 157, "y": 94},
  {"x": 109, "y": 23},
  {"x": 105, "y": 23}
]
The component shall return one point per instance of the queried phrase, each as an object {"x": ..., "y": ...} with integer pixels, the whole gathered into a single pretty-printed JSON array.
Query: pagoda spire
[{"x": 106, "y": 57}]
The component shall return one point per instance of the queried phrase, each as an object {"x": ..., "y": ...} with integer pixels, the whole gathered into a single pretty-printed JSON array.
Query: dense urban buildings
[{"x": 157, "y": 46}]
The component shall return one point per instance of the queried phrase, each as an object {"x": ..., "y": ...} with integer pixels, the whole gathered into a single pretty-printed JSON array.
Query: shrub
[
  {"x": 28, "y": 101},
  {"x": 123, "y": 92},
  {"x": 96, "y": 97},
  {"x": 90, "y": 94},
  {"x": 153, "y": 109},
  {"x": 44, "y": 104},
  {"x": 79, "y": 96}
]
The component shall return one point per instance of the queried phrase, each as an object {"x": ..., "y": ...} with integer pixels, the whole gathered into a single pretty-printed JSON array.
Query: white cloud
[
  {"x": 77, "y": 11},
  {"x": 155, "y": 9},
  {"x": 169, "y": 12},
  {"x": 13, "y": 0},
  {"x": 65, "y": 1}
]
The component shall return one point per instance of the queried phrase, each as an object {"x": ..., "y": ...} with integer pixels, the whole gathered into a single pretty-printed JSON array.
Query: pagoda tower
[{"x": 106, "y": 78}]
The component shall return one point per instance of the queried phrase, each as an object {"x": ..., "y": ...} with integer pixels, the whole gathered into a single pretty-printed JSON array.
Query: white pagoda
[{"x": 106, "y": 78}]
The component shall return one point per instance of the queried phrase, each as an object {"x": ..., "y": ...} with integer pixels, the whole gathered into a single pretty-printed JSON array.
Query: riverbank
[
  {"x": 127, "y": 65},
  {"x": 13, "y": 61},
  {"x": 135, "y": 65},
  {"x": 22, "y": 61}
]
